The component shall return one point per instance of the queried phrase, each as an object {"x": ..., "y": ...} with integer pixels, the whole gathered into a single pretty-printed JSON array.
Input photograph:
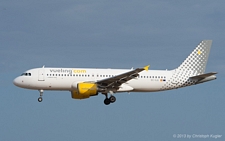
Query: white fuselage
[{"x": 63, "y": 78}]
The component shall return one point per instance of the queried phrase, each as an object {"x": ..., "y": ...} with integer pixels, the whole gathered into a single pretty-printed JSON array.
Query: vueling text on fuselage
[{"x": 69, "y": 71}]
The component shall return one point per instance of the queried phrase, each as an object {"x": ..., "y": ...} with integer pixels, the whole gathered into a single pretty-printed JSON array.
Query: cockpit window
[{"x": 26, "y": 74}]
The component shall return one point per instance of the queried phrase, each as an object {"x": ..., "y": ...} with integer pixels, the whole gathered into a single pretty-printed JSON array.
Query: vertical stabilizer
[
  {"x": 192, "y": 70},
  {"x": 197, "y": 60}
]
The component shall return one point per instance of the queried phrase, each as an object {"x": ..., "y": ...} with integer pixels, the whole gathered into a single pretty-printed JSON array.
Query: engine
[{"x": 84, "y": 90}]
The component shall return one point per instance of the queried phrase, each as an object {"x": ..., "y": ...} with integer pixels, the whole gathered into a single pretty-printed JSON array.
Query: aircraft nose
[{"x": 16, "y": 81}]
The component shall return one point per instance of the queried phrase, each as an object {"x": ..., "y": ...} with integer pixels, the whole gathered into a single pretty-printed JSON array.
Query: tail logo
[{"x": 199, "y": 52}]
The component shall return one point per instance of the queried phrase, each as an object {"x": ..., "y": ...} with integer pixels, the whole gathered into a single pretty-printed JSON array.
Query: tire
[
  {"x": 40, "y": 99},
  {"x": 112, "y": 99},
  {"x": 107, "y": 101}
]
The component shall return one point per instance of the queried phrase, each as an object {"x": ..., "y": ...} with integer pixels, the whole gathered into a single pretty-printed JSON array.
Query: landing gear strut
[
  {"x": 41, "y": 94},
  {"x": 109, "y": 100}
]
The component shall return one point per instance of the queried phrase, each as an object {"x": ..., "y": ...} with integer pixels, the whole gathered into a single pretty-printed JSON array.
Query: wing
[{"x": 113, "y": 83}]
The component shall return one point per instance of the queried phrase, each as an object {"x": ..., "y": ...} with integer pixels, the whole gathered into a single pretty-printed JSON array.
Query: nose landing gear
[{"x": 41, "y": 94}]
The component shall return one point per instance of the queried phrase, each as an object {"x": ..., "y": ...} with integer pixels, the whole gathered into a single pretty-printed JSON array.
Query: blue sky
[{"x": 109, "y": 34}]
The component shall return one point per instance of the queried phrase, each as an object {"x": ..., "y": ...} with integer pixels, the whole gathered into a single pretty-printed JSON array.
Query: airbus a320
[{"x": 83, "y": 83}]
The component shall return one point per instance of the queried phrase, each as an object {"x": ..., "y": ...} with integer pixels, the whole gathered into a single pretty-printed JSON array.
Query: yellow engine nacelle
[{"x": 84, "y": 90}]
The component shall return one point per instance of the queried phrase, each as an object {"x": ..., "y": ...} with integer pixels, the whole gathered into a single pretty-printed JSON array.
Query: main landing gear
[
  {"x": 109, "y": 100},
  {"x": 41, "y": 94}
]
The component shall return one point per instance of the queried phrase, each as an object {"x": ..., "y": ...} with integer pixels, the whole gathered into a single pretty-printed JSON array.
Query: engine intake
[{"x": 84, "y": 90}]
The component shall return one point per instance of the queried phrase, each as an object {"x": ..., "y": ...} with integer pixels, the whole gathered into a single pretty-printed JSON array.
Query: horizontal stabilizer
[{"x": 204, "y": 77}]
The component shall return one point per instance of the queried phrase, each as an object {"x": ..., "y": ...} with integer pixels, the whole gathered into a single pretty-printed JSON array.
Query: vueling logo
[{"x": 69, "y": 71}]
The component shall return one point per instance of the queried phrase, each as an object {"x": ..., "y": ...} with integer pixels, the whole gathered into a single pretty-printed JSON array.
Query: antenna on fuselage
[{"x": 43, "y": 66}]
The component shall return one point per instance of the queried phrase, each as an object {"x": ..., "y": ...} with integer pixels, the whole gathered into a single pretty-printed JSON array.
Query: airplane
[{"x": 86, "y": 82}]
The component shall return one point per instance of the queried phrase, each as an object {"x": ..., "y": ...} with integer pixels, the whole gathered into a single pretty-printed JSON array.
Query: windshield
[{"x": 26, "y": 74}]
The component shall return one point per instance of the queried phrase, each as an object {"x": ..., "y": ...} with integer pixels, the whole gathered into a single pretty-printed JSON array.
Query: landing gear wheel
[
  {"x": 40, "y": 99},
  {"x": 107, "y": 101},
  {"x": 112, "y": 99}
]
